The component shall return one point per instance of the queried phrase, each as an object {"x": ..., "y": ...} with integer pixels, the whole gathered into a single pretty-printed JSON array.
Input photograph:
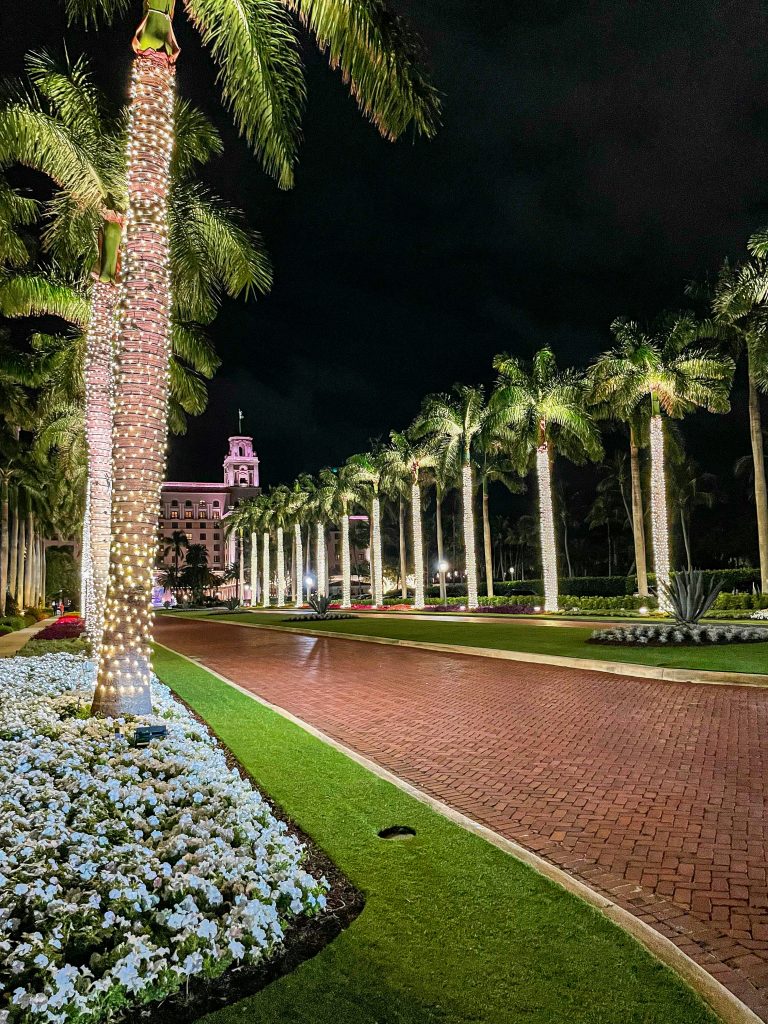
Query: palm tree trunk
[
  {"x": 240, "y": 566},
  {"x": 470, "y": 557},
  {"x": 280, "y": 569},
  {"x": 43, "y": 574},
  {"x": 140, "y": 418},
  {"x": 566, "y": 548},
  {"x": 638, "y": 515},
  {"x": 29, "y": 567},
  {"x": 265, "y": 569},
  {"x": 418, "y": 546},
  {"x": 13, "y": 553},
  {"x": 98, "y": 432},
  {"x": 547, "y": 529},
  {"x": 346, "y": 583},
  {"x": 86, "y": 566},
  {"x": 298, "y": 564},
  {"x": 487, "y": 544},
  {"x": 377, "y": 566},
  {"x": 254, "y": 568},
  {"x": 659, "y": 519},
  {"x": 322, "y": 581},
  {"x": 686, "y": 540},
  {"x": 761, "y": 493},
  {"x": 20, "y": 561},
  {"x": 440, "y": 549},
  {"x": 403, "y": 564},
  {"x": 4, "y": 544}
]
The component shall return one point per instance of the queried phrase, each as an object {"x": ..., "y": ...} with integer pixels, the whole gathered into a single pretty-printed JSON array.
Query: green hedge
[
  {"x": 628, "y": 602},
  {"x": 734, "y": 602}
]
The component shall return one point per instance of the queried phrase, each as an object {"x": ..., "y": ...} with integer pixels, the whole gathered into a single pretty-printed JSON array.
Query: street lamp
[{"x": 308, "y": 581}]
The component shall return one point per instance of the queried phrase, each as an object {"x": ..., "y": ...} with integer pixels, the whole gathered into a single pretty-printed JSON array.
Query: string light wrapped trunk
[
  {"x": 265, "y": 569},
  {"x": 86, "y": 566},
  {"x": 322, "y": 582},
  {"x": 254, "y": 568},
  {"x": 346, "y": 576},
  {"x": 241, "y": 566},
  {"x": 418, "y": 546},
  {"x": 298, "y": 583},
  {"x": 141, "y": 408},
  {"x": 99, "y": 396},
  {"x": 280, "y": 569},
  {"x": 547, "y": 528},
  {"x": 659, "y": 521},
  {"x": 469, "y": 535},
  {"x": 378, "y": 569}
]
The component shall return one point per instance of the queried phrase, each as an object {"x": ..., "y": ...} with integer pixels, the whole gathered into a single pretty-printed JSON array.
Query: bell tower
[{"x": 241, "y": 466}]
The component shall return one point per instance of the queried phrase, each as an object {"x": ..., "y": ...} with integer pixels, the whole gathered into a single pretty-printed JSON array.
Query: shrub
[
  {"x": 14, "y": 621},
  {"x": 4, "y": 630},
  {"x": 627, "y": 602},
  {"x": 34, "y": 648},
  {"x": 657, "y": 634},
  {"x": 739, "y": 602},
  {"x": 68, "y": 627},
  {"x": 689, "y": 596}
]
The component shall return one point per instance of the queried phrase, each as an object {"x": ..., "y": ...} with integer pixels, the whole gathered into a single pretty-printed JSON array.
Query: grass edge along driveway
[
  {"x": 454, "y": 929},
  {"x": 532, "y": 638}
]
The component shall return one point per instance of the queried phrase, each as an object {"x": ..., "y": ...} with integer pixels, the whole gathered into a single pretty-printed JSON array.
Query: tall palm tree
[
  {"x": 493, "y": 465},
  {"x": 661, "y": 370},
  {"x": 740, "y": 320},
  {"x": 454, "y": 423},
  {"x": 256, "y": 50},
  {"x": 367, "y": 470},
  {"x": 345, "y": 492},
  {"x": 177, "y": 545},
  {"x": 60, "y": 124},
  {"x": 301, "y": 507},
  {"x": 403, "y": 462},
  {"x": 279, "y": 517},
  {"x": 542, "y": 410}
]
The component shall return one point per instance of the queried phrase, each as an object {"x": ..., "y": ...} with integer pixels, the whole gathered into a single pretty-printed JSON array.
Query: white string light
[
  {"x": 99, "y": 410},
  {"x": 241, "y": 565},
  {"x": 265, "y": 569},
  {"x": 254, "y": 568},
  {"x": 547, "y": 529},
  {"x": 298, "y": 575},
  {"x": 141, "y": 408},
  {"x": 346, "y": 580},
  {"x": 322, "y": 582},
  {"x": 418, "y": 547},
  {"x": 659, "y": 523},
  {"x": 378, "y": 569},
  {"x": 280, "y": 569},
  {"x": 469, "y": 535}
]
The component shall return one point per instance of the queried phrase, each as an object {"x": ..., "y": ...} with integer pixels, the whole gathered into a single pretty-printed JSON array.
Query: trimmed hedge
[{"x": 627, "y": 602}]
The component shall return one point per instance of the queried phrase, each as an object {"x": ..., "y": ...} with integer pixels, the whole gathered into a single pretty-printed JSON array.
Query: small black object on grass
[
  {"x": 144, "y": 734},
  {"x": 397, "y": 832}
]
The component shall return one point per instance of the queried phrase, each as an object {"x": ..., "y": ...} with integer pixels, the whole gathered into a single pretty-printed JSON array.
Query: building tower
[{"x": 241, "y": 466}]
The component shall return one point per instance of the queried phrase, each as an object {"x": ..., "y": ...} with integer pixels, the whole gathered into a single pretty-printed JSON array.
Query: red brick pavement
[{"x": 652, "y": 792}]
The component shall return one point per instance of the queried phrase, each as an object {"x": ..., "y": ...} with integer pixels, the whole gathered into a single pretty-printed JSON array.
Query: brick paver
[{"x": 652, "y": 792}]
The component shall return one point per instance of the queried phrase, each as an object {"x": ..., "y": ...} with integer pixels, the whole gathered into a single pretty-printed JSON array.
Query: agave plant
[
  {"x": 689, "y": 596},
  {"x": 320, "y": 604}
]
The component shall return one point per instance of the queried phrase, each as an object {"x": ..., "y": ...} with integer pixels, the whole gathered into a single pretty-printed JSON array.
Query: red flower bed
[{"x": 68, "y": 627}]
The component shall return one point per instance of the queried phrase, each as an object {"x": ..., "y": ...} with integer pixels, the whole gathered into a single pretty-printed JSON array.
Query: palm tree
[
  {"x": 739, "y": 320},
  {"x": 492, "y": 464},
  {"x": 402, "y": 464},
  {"x": 257, "y": 53},
  {"x": 343, "y": 492},
  {"x": 59, "y": 124},
  {"x": 454, "y": 423},
  {"x": 367, "y": 470},
  {"x": 542, "y": 410},
  {"x": 661, "y": 370},
  {"x": 177, "y": 544}
]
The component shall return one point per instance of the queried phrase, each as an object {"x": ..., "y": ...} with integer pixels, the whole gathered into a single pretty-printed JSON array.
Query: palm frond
[
  {"x": 37, "y": 295},
  {"x": 92, "y": 12},
  {"x": 195, "y": 139},
  {"x": 254, "y": 44},
  {"x": 190, "y": 343},
  {"x": 379, "y": 57}
]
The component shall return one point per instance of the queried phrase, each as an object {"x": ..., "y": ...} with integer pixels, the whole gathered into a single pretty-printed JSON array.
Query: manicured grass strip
[
  {"x": 565, "y": 641},
  {"x": 454, "y": 930}
]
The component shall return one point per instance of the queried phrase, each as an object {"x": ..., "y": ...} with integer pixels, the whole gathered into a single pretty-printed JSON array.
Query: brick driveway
[{"x": 652, "y": 792}]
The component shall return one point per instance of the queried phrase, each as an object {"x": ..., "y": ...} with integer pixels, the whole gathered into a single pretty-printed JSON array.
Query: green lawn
[
  {"x": 453, "y": 929},
  {"x": 542, "y": 638}
]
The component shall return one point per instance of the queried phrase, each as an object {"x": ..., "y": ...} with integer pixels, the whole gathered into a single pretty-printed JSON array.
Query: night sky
[{"x": 594, "y": 157}]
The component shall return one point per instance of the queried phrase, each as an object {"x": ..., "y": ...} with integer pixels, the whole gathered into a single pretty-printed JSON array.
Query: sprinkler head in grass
[{"x": 397, "y": 832}]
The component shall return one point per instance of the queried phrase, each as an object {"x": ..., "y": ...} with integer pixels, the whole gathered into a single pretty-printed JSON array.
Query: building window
[
  {"x": 202, "y": 536},
  {"x": 174, "y": 513},
  {"x": 217, "y": 547},
  {"x": 217, "y": 536},
  {"x": 202, "y": 525},
  {"x": 217, "y": 558},
  {"x": 215, "y": 513}
]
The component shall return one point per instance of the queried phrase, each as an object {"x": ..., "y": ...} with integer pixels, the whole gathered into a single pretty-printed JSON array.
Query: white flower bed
[
  {"x": 761, "y": 614},
  {"x": 126, "y": 871},
  {"x": 662, "y": 633}
]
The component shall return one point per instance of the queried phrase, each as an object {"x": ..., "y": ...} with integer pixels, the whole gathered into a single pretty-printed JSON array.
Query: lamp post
[{"x": 442, "y": 568}]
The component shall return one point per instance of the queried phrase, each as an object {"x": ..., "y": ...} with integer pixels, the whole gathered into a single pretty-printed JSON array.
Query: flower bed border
[{"x": 303, "y": 940}]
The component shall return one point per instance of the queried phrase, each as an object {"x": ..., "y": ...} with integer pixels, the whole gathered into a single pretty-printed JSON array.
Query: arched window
[{"x": 240, "y": 451}]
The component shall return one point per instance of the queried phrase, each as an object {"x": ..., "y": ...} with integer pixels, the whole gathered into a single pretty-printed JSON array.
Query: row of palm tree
[{"x": 535, "y": 413}]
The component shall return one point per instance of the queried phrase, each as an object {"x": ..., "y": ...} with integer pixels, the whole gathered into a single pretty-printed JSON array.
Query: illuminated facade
[{"x": 198, "y": 509}]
